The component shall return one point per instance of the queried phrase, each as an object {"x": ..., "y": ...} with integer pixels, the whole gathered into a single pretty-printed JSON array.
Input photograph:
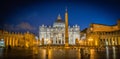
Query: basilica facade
[{"x": 55, "y": 35}]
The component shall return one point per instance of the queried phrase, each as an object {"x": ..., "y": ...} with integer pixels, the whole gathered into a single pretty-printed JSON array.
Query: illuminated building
[
  {"x": 103, "y": 35},
  {"x": 14, "y": 39},
  {"x": 56, "y": 33},
  {"x": 83, "y": 38}
]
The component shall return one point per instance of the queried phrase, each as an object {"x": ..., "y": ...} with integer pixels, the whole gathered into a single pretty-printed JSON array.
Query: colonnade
[
  {"x": 18, "y": 40},
  {"x": 106, "y": 39}
]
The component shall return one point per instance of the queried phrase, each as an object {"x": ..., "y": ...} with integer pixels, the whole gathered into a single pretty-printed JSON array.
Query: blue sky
[{"x": 28, "y": 15}]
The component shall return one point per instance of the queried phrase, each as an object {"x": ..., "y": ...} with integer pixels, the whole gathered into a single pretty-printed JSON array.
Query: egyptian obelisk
[{"x": 66, "y": 29}]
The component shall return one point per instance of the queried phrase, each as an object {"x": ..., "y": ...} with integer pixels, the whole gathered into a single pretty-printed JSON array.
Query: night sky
[{"x": 28, "y": 15}]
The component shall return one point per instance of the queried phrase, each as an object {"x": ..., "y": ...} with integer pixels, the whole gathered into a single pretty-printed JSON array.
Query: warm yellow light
[
  {"x": 80, "y": 41},
  {"x": 96, "y": 43},
  {"x": 46, "y": 39},
  {"x": 90, "y": 39},
  {"x": 49, "y": 42}
]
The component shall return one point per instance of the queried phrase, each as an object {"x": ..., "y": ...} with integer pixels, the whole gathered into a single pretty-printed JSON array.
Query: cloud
[
  {"x": 21, "y": 26},
  {"x": 25, "y": 26}
]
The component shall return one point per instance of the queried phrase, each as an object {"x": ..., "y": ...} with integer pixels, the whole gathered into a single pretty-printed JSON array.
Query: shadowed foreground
[{"x": 38, "y": 53}]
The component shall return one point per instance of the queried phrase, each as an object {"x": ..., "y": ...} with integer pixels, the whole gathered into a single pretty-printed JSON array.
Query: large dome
[{"x": 59, "y": 22}]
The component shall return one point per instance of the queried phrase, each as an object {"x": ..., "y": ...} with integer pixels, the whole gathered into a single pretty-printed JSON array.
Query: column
[
  {"x": 61, "y": 41},
  {"x": 112, "y": 41},
  {"x": 4, "y": 39},
  {"x": 108, "y": 41},
  {"x": 7, "y": 43},
  {"x": 13, "y": 42},
  {"x": 53, "y": 40},
  {"x": 10, "y": 41},
  {"x": 119, "y": 40},
  {"x": 115, "y": 40},
  {"x": 57, "y": 41},
  {"x": 16, "y": 42},
  {"x": 96, "y": 42}
]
